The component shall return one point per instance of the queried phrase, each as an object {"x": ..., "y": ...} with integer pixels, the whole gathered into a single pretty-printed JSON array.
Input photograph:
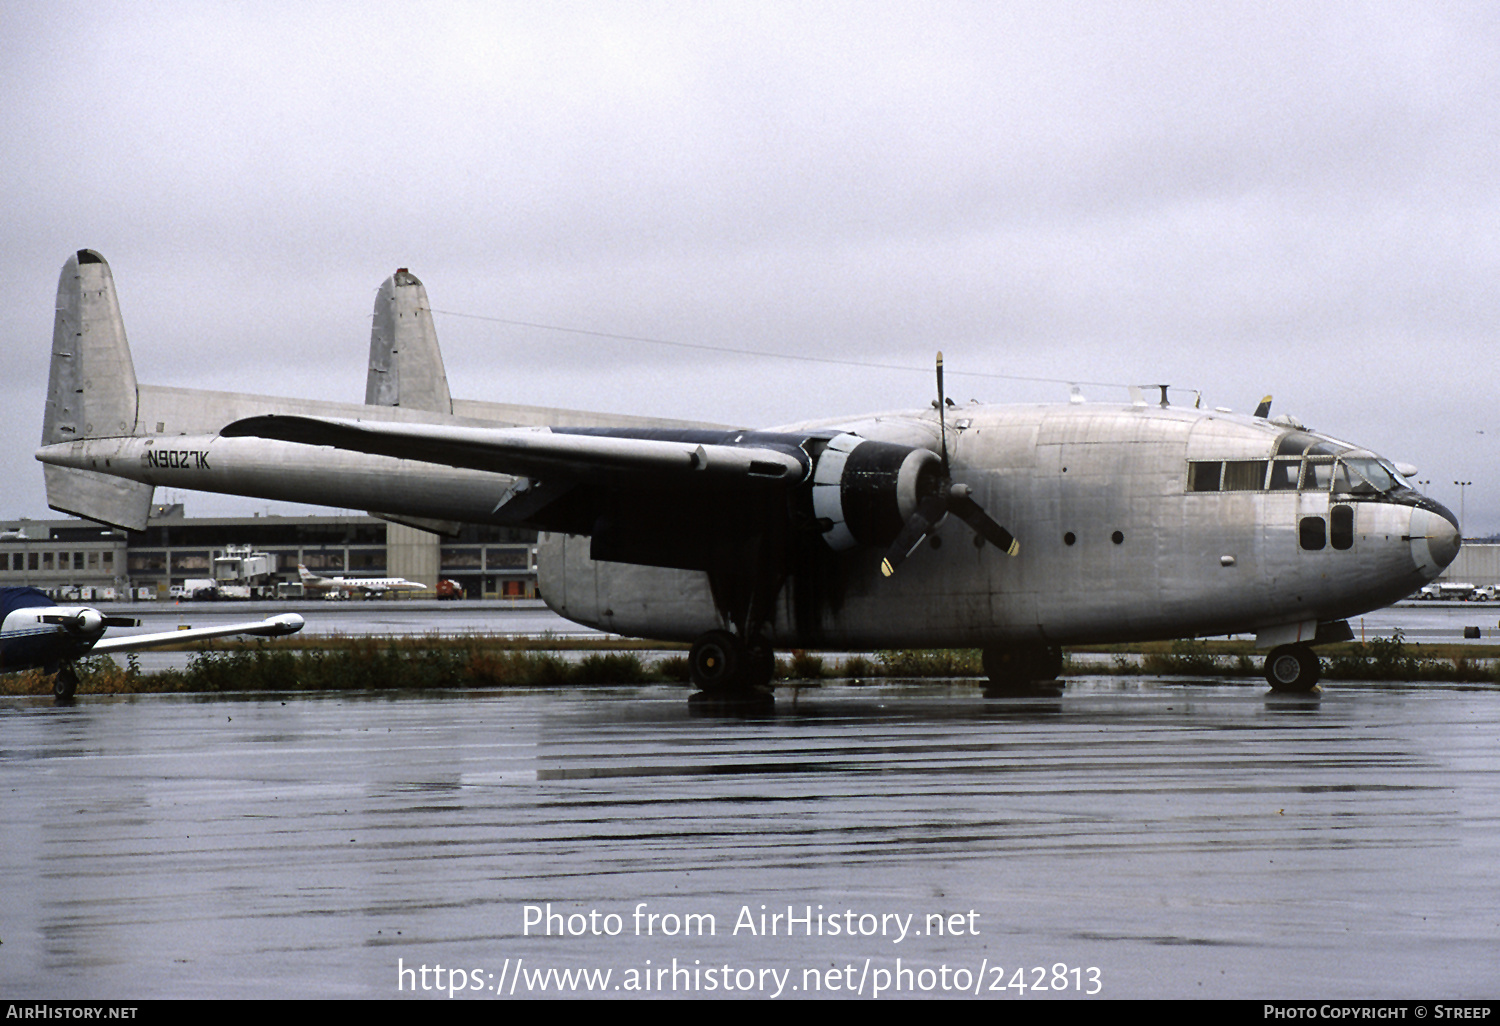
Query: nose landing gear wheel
[
  {"x": 65, "y": 684},
  {"x": 732, "y": 676},
  {"x": 1293, "y": 669}
]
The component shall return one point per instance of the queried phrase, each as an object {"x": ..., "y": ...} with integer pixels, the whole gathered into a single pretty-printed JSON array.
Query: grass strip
[{"x": 424, "y": 662}]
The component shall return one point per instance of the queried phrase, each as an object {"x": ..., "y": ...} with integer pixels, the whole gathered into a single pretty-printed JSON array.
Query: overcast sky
[{"x": 1287, "y": 198}]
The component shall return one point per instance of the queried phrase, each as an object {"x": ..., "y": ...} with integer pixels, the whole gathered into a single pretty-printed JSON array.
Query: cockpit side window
[{"x": 1365, "y": 476}]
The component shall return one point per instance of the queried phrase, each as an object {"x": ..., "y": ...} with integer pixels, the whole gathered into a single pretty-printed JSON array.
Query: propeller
[
  {"x": 79, "y": 621},
  {"x": 946, "y": 497},
  {"x": 83, "y": 620}
]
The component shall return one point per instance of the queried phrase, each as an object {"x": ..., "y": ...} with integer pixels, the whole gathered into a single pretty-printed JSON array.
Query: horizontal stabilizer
[{"x": 109, "y": 500}]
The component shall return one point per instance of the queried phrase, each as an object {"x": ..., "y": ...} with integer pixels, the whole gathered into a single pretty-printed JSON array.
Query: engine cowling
[{"x": 864, "y": 491}]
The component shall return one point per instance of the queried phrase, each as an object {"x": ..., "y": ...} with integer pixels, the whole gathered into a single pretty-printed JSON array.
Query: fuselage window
[
  {"x": 1341, "y": 527},
  {"x": 1284, "y": 475},
  {"x": 1204, "y": 477},
  {"x": 1314, "y": 473},
  {"x": 1317, "y": 475},
  {"x": 1244, "y": 475},
  {"x": 1367, "y": 477},
  {"x": 1312, "y": 533}
]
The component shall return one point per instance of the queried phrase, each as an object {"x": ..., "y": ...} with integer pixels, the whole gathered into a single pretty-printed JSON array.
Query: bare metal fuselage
[
  {"x": 1115, "y": 542},
  {"x": 1133, "y": 521}
]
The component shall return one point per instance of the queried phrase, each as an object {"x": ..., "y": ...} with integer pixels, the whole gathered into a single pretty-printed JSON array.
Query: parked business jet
[
  {"x": 370, "y": 585},
  {"x": 1013, "y": 529}
]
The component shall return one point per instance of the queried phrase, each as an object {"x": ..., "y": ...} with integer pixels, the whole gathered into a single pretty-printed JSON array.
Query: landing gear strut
[{"x": 1292, "y": 668}]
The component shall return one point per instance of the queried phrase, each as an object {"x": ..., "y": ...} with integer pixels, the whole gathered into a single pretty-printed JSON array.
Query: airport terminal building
[{"x": 79, "y": 558}]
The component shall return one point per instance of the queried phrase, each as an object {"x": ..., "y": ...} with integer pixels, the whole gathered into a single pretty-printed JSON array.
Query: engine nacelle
[{"x": 864, "y": 491}]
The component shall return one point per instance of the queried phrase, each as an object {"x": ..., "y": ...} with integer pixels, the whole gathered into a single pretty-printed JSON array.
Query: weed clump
[
  {"x": 1189, "y": 658},
  {"x": 932, "y": 662}
]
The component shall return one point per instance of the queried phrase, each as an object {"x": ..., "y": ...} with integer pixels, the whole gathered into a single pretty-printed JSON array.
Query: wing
[
  {"x": 654, "y": 496},
  {"x": 284, "y": 623},
  {"x": 693, "y": 498},
  {"x": 579, "y": 454}
]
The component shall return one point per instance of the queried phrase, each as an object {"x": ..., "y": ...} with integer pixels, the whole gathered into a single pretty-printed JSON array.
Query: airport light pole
[{"x": 1462, "y": 519}]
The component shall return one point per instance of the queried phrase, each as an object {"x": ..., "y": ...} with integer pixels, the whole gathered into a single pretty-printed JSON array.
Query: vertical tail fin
[
  {"x": 406, "y": 367},
  {"x": 91, "y": 393}
]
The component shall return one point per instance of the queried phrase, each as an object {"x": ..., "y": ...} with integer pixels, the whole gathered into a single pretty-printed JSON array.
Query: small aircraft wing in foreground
[{"x": 36, "y": 632}]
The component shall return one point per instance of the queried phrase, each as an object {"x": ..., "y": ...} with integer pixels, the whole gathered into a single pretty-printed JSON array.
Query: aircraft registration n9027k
[{"x": 1013, "y": 529}]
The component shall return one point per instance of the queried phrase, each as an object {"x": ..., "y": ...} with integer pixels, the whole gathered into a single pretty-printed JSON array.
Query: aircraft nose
[{"x": 1435, "y": 540}]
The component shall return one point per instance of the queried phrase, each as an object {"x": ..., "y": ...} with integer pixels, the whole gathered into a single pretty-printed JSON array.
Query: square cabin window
[
  {"x": 1244, "y": 475},
  {"x": 1204, "y": 477},
  {"x": 1317, "y": 475},
  {"x": 1284, "y": 475}
]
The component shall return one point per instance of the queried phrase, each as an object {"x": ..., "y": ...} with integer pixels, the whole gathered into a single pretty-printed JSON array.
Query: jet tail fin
[{"x": 91, "y": 393}]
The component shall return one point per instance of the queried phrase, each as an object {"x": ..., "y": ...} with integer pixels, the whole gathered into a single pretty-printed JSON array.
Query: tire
[
  {"x": 716, "y": 662},
  {"x": 65, "y": 684},
  {"x": 759, "y": 666},
  {"x": 1293, "y": 669}
]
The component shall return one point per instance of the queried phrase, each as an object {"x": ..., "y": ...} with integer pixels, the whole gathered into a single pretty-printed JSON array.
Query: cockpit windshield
[{"x": 1365, "y": 476}]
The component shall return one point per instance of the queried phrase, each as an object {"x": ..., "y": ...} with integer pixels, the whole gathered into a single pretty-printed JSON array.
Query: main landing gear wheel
[
  {"x": 728, "y": 671},
  {"x": 715, "y": 662},
  {"x": 1292, "y": 668},
  {"x": 65, "y": 684}
]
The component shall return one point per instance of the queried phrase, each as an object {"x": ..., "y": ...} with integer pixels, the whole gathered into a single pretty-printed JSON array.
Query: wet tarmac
[{"x": 1133, "y": 836}]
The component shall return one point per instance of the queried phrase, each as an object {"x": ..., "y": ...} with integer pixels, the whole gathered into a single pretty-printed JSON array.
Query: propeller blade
[
  {"x": 962, "y": 505},
  {"x": 942, "y": 418},
  {"x": 929, "y": 511},
  {"x": 948, "y": 498}
]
